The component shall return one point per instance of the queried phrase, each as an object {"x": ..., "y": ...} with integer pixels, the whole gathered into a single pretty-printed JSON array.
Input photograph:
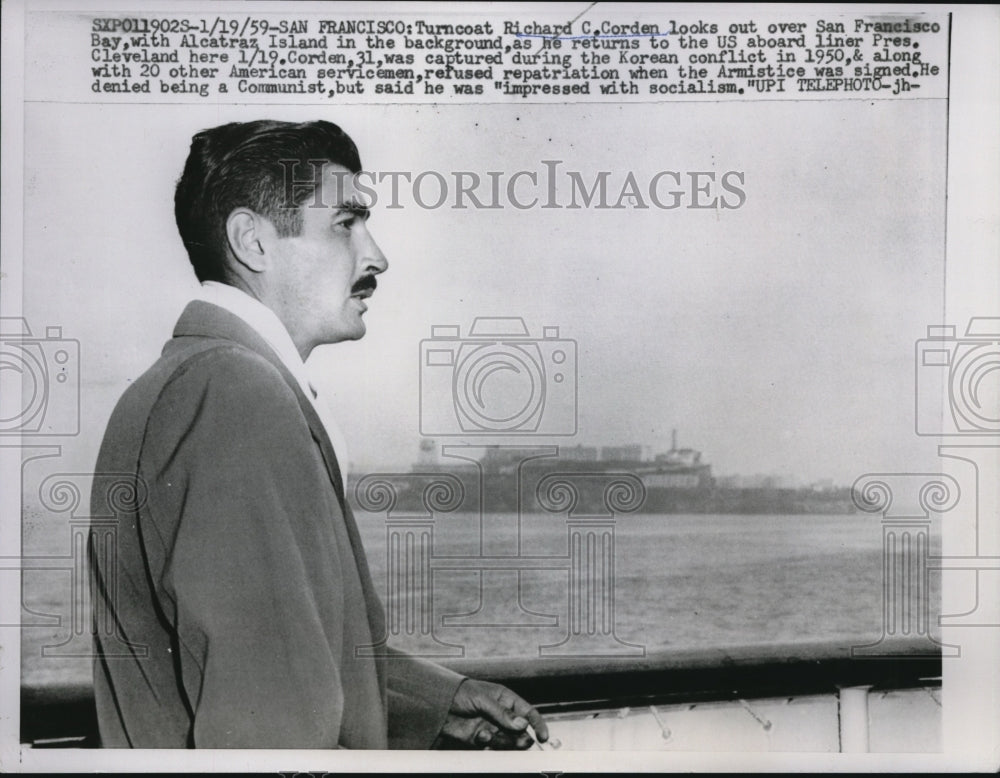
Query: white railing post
[{"x": 852, "y": 713}]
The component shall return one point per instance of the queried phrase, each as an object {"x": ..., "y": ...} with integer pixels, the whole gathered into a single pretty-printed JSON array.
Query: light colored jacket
[{"x": 239, "y": 587}]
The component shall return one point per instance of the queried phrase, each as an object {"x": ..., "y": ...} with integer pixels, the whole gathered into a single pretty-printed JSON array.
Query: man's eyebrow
[{"x": 361, "y": 210}]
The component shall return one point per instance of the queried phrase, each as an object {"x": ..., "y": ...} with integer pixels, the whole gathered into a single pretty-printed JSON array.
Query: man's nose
[{"x": 372, "y": 258}]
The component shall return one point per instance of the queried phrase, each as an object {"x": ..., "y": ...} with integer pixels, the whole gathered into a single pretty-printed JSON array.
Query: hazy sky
[{"x": 778, "y": 337}]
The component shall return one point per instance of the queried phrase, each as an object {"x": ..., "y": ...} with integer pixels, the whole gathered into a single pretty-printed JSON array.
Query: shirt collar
[{"x": 264, "y": 322}]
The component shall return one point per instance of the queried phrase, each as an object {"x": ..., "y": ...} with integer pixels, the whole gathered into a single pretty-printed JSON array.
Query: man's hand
[{"x": 488, "y": 715}]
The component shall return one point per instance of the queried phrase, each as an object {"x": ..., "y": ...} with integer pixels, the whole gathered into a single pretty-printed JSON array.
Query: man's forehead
[{"x": 338, "y": 190}]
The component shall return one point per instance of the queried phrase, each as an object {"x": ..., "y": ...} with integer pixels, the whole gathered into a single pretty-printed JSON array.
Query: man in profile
[{"x": 242, "y": 587}]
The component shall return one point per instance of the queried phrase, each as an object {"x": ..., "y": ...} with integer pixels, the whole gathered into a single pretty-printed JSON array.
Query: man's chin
[{"x": 354, "y": 332}]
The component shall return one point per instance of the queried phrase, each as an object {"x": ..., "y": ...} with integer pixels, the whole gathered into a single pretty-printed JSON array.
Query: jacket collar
[
  {"x": 204, "y": 320},
  {"x": 201, "y": 319}
]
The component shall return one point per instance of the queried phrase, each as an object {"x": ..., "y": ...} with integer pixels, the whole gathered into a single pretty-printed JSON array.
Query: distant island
[{"x": 594, "y": 480}]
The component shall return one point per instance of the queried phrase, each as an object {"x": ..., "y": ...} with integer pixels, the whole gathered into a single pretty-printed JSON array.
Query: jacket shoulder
[
  {"x": 217, "y": 376},
  {"x": 228, "y": 383}
]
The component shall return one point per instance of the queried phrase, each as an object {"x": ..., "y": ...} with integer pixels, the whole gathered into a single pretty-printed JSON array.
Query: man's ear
[{"x": 247, "y": 234}]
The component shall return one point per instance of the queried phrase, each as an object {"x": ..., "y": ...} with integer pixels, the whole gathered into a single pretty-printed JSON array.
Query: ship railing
[{"x": 63, "y": 715}]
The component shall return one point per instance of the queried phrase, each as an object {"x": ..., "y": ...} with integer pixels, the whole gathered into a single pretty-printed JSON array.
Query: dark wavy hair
[{"x": 270, "y": 167}]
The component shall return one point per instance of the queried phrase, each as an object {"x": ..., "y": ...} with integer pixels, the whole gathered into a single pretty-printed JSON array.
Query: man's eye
[{"x": 346, "y": 224}]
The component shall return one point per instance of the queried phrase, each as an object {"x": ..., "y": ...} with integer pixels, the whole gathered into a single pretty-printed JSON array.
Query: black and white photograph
[{"x": 614, "y": 386}]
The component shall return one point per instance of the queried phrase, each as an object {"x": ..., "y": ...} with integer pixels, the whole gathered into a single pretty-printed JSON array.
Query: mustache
[{"x": 364, "y": 284}]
